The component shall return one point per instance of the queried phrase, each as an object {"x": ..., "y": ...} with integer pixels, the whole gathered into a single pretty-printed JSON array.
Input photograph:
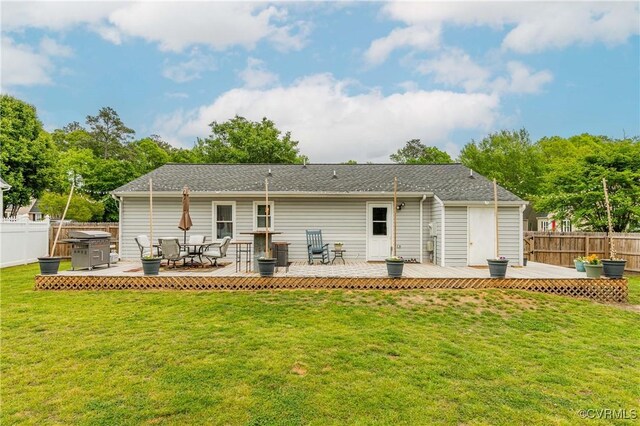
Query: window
[
  {"x": 543, "y": 224},
  {"x": 379, "y": 221},
  {"x": 224, "y": 215},
  {"x": 565, "y": 225},
  {"x": 261, "y": 219}
]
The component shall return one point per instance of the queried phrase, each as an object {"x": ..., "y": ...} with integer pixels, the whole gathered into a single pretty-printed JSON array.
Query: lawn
[{"x": 312, "y": 357}]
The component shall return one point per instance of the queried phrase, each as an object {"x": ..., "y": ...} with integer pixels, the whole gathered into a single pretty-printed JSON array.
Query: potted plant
[
  {"x": 593, "y": 266},
  {"x": 266, "y": 266},
  {"x": 579, "y": 262},
  {"x": 338, "y": 245},
  {"x": 613, "y": 268},
  {"x": 49, "y": 265},
  {"x": 395, "y": 265},
  {"x": 151, "y": 265},
  {"x": 498, "y": 267}
]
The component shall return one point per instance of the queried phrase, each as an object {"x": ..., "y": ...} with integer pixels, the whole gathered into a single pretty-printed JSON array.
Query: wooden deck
[
  {"x": 352, "y": 275},
  {"x": 350, "y": 269}
]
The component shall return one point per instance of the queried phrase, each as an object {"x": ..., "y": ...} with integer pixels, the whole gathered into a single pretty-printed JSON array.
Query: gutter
[{"x": 260, "y": 194}]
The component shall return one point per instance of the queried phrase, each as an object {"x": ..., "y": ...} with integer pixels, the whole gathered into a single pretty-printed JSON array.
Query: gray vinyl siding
[
  {"x": 436, "y": 220},
  {"x": 456, "y": 236},
  {"x": 509, "y": 223},
  {"x": 339, "y": 219}
]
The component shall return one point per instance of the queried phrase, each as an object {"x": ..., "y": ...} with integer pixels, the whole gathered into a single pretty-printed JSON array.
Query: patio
[{"x": 350, "y": 269}]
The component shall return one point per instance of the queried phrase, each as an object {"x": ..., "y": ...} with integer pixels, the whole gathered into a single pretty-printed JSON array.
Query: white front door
[
  {"x": 482, "y": 235},
  {"x": 379, "y": 225}
]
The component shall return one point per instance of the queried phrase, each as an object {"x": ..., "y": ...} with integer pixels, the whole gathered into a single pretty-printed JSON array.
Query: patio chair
[
  {"x": 315, "y": 247},
  {"x": 216, "y": 250},
  {"x": 171, "y": 251},
  {"x": 194, "y": 250},
  {"x": 144, "y": 245}
]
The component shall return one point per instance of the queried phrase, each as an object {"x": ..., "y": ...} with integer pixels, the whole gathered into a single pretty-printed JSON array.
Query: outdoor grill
[{"x": 89, "y": 249}]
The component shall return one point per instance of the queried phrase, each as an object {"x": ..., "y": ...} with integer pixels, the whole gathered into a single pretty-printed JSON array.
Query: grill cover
[{"x": 89, "y": 234}]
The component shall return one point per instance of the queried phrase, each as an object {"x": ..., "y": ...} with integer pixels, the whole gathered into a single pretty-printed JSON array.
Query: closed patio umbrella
[{"x": 185, "y": 220}]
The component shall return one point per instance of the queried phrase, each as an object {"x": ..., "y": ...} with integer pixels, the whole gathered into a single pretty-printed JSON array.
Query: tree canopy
[
  {"x": 415, "y": 152},
  {"x": 510, "y": 157},
  {"x": 28, "y": 155},
  {"x": 242, "y": 141},
  {"x": 574, "y": 190}
]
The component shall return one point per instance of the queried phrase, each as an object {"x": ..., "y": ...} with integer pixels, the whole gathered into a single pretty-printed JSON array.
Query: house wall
[
  {"x": 456, "y": 238},
  {"x": 509, "y": 227},
  {"x": 340, "y": 219},
  {"x": 456, "y": 241}
]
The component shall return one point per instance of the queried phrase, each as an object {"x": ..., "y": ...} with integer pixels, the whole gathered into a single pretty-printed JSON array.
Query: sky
[{"x": 349, "y": 80}]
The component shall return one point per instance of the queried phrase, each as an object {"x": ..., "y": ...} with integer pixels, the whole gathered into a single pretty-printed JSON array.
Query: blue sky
[{"x": 350, "y": 80}]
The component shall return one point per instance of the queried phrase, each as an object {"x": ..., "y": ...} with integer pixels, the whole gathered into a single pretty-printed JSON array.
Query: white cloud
[
  {"x": 23, "y": 66},
  {"x": 255, "y": 75},
  {"x": 50, "y": 47},
  {"x": 456, "y": 68},
  {"x": 333, "y": 125},
  {"x": 174, "y": 26},
  {"x": 191, "y": 69},
  {"x": 537, "y": 26},
  {"x": 419, "y": 38},
  {"x": 522, "y": 79}
]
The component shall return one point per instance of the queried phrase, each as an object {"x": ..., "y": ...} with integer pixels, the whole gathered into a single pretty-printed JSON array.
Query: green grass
[{"x": 317, "y": 357}]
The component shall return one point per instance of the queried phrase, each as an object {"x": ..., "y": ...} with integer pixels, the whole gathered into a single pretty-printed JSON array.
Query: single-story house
[{"x": 445, "y": 212}]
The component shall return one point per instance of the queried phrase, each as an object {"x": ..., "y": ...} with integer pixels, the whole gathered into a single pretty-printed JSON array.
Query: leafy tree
[
  {"x": 148, "y": 155},
  {"x": 241, "y": 141},
  {"x": 28, "y": 154},
  {"x": 76, "y": 165},
  {"x": 80, "y": 209},
  {"x": 109, "y": 133},
  {"x": 576, "y": 191},
  {"x": 78, "y": 138},
  {"x": 510, "y": 158},
  {"x": 415, "y": 152}
]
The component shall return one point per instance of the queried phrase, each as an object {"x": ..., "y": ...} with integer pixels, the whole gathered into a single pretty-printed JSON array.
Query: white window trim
[
  {"x": 214, "y": 214},
  {"x": 272, "y": 213}
]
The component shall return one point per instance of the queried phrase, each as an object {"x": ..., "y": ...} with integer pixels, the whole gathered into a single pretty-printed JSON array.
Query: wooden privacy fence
[
  {"x": 560, "y": 248},
  {"x": 64, "y": 250}
]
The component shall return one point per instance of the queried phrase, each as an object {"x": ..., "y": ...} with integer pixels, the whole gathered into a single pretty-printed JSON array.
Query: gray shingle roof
[{"x": 449, "y": 182}]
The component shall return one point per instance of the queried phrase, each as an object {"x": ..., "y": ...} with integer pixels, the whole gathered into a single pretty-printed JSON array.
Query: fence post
[{"x": 586, "y": 246}]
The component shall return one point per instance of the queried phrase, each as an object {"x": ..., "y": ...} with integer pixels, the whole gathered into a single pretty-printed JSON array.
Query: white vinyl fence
[{"x": 23, "y": 241}]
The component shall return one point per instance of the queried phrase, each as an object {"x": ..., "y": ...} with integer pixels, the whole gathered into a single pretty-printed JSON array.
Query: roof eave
[{"x": 253, "y": 194}]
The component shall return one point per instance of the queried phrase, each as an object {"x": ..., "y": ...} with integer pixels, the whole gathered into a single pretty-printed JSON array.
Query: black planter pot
[
  {"x": 613, "y": 268},
  {"x": 498, "y": 267},
  {"x": 266, "y": 267},
  {"x": 394, "y": 268},
  {"x": 151, "y": 266},
  {"x": 49, "y": 265}
]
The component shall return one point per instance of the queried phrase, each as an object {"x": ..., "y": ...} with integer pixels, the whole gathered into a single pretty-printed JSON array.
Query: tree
[
  {"x": 575, "y": 191},
  {"x": 510, "y": 158},
  {"x": 148, "y": 155},
  {"x": 241, "y": 141},
  {"x": 415, "y": 152},
  {"x": 28, "y": 155},
  {"x": 80, "y": 209},
  {"x": 109, "y": 133}
]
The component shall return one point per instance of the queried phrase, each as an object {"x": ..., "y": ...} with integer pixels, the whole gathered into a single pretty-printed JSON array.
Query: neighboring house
[
  {"x": 445, "y": 213},
  {"x": 547, "y": 223},
  {"x": 34, "y": 212},
  {"x": 4, "y": 186}
]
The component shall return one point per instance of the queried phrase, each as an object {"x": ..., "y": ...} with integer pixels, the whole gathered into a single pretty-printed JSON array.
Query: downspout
[
  {"x": 119, "y": 200},
  {"x": 424, "y": 197},
  {"x": 442, "y": 231}
]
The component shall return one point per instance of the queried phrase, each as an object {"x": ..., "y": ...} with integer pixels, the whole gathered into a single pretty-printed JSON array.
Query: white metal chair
[
  {"x": 144, "y": 245},
  {"x": 216, "y": 250},
  {"x": 195, "y": 249}
]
